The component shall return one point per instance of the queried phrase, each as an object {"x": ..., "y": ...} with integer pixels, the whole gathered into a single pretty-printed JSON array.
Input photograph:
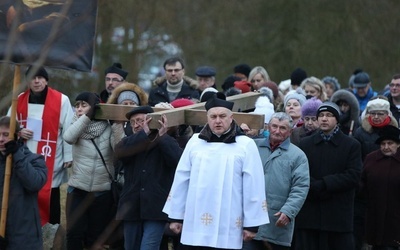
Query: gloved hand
[
  {"x": 93, "y": 101},
  {"x": 13, "y": 145},
  {"x": 3, "y": 243}
]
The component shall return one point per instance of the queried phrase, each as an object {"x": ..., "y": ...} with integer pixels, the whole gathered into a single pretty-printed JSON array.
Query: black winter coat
[
  {"x": 160, "y": 93},
  {"x": 335, "y": 168},
  {"x": 149, "y": 164},
  {"x": 381, "y": 185}
]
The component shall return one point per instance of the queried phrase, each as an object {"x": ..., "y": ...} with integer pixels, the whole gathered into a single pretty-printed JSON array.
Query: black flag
[{"x": 59, "y": 32}]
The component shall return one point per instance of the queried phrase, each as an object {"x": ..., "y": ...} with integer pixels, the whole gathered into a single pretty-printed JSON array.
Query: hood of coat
[
  {"x": 349, "y": 97},
  {"x": 143, "y": 98},
  {"x": 367, "y": 127},
  {"x": 191, "y": 82}
]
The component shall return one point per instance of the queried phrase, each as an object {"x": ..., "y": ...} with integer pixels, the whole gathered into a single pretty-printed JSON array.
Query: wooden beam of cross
[{"x": 190, "y": 115}]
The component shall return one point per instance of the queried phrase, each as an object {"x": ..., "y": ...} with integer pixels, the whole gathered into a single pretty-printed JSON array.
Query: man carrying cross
[{"x": 217, "y": 198}]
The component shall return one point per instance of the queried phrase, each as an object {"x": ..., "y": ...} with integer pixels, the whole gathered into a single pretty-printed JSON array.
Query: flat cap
[
  {"x": 139, "y": 110},
  {"x": 205, "y": 71}
]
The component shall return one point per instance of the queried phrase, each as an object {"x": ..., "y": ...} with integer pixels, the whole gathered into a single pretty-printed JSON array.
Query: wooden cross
[{"x": 190, "y": 115}]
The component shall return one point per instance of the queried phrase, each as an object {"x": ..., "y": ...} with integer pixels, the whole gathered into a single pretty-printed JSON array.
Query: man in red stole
[{"x": 44, "y": 115}]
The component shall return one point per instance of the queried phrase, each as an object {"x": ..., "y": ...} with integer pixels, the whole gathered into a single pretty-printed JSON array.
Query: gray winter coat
[{"x": 286, "y": 185}]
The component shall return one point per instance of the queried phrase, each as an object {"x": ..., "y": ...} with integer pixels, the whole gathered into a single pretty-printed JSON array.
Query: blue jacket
[
  {"x": 28, "y": 176},
  {"x": 364, "y": 100},
  {"x": 286, "y": 185}
]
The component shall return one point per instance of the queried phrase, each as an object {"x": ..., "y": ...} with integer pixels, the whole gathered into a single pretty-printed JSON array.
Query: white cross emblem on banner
[{"x": 46, "y": 149}]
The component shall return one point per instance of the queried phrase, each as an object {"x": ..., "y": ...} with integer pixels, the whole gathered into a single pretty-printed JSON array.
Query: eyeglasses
[
  {"x": 173, "y": 70},
  {"x": 379, "y": 114},
  {"x": 108, "y": 79},
  {"x": 394, "y": 85},
  {"x": 137, "y": 121}
]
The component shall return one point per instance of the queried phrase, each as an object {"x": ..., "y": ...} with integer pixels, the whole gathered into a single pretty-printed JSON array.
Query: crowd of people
[{"x": 323, "y": 172}]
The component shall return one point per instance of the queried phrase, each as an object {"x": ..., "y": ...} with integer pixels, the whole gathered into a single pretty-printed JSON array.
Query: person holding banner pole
[
  {"x": 28, "y": 176},
  {"x": 44, "y": 115}
]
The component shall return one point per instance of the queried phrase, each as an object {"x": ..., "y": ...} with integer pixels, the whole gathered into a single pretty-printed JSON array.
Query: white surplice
[{"x": 218, "y": 189}]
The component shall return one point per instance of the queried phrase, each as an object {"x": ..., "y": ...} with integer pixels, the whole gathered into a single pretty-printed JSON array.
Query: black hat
[
  {"x": 230, "y": 82},
  {"x": 297, "y": 76},
  {"x": 116, "y": 68},
  {"x": 87, "y": 96},
  {"x": 330, "y": 107},
  {"x": 361, "y": 80},
  {"x": 41, "y": 71},
  {"x": 139, "y": 110},
  {"x": 205, "y": 71},
  {"x": 388, "y": 133},
  {"x": 219, "y": 100},
  {"x": 243, "y": 69}
]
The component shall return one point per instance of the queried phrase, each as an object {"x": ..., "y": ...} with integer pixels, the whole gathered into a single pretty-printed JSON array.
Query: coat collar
[
  {"x": 335, "y": 140},
  {"x": 284, "y": 145}
]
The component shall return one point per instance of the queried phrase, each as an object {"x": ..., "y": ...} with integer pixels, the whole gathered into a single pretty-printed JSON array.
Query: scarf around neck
[{"x": 93, "y": 130}]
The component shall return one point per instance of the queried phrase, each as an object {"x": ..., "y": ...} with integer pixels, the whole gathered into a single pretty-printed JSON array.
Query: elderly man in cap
[
  {"x": 326, "y": 219},
  {"x": 362, "y": 89},
  {"x": 51, "y": 110},
  {"x": 217, "y": 199},
  {"x": 149, "y": 158},
  {"x": 115, "y": 76},
  {"x": 205, "y": 75}
]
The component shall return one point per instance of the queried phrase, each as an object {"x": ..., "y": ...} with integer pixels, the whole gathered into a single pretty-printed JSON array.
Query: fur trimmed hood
[
  {"x": 368, "y": 128},
  {"x": 349, "y": 97},
  {"x": 143, "y": 98},
  {"x": 191, "y": 82}
]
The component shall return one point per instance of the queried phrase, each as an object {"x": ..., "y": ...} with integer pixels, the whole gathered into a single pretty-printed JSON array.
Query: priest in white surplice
[{"x": 217, "y": 199}]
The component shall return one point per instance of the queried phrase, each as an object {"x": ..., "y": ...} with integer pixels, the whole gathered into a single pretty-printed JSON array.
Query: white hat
[
  {"x": 264, "y": 107},
  {"x": 378, "y": 104}
]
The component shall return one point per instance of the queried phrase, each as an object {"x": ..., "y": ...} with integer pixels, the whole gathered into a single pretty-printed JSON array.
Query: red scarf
[
  {"x": 48, "y": 144},
  {"x": 381, "y": 125}
]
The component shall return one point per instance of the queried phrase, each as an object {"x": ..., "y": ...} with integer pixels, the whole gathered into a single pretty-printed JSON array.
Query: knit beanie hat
[
  {"x": 41, "y": 71},
  {"x": 333, "y": 81},
  {"x": 264, "y": 107},
  {"x": 87, "y": 97},
  {"x": 310, "y": 107},
  {"x": 181, "y": 102},
  {"x": 294, "y": 95},
  {"x": 284, "y": 85},
  {"x": 244, "y": 86},
  {"x": 265, "y": 91},
  {"x": 297, "y": 76},
  {"x": 128, "y": 95},
  {"x": 116, "y": 68},
  {"x": 330, "y": 107}
]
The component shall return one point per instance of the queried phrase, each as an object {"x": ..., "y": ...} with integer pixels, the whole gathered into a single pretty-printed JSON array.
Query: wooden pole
[{"x": 7, "y": 174}]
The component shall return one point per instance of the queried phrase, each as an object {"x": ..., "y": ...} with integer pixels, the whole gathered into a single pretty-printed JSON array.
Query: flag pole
[{"x": 7, "y": 174}]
